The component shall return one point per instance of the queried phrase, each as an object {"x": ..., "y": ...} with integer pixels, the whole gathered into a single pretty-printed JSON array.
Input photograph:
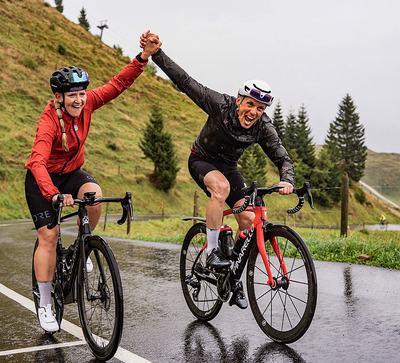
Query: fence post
[
  {"x": 195, "y": 206},
  {"x": 162, "y": 214},
  {"x": 105, "y": 217},
  {"x": 345, "y": 205}
]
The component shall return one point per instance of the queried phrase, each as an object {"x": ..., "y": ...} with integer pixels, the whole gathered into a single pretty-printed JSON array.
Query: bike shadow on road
[
  {"x": 54, "y": 355},
  {"x": 204, "y": 343}
]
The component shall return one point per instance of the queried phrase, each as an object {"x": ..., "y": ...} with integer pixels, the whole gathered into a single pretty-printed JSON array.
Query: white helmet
[{"x": 259, "y": 90}]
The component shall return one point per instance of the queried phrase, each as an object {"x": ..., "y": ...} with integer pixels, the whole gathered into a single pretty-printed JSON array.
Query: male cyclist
[
  {"x": 233, "y": 124},
  {"x": 54, "y": 166}
]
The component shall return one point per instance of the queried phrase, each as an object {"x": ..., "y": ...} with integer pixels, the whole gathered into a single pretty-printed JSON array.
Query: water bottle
[
  {"x": 227, "y": 242},
  {"x": 239, "y": 243}
]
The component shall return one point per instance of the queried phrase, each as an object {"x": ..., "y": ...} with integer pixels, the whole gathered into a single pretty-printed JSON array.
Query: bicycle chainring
[{"x": 223, "y": 287}]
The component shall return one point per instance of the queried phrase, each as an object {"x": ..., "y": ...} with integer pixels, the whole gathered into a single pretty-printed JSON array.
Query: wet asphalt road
[{"x": 357, "y": 317}]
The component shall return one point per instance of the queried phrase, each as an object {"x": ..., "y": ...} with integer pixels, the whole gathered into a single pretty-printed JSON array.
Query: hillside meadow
[{"x": 35, "y": 39}]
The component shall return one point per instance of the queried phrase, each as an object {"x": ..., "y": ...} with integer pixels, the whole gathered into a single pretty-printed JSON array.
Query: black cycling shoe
[
  {"x": 216, "y": 260},
  {"x": 238, "y": 298}
]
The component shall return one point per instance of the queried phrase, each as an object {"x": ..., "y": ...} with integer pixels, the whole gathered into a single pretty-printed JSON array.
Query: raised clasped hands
[{"x": 150, "y": 43}]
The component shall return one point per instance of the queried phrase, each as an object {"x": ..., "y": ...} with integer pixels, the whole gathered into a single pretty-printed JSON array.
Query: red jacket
[{"x": 48, "y": 155}]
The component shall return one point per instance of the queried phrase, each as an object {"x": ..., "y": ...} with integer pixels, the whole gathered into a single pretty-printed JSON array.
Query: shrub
[
  {"x": 118, "y": 49},
  {"x": 29, "y": 63},
  {"x": 360, "y": 196},
  {"x": 61, "y": 49}
]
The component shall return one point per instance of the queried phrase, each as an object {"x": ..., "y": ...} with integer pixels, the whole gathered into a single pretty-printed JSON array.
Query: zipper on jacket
[{"x": 77, "y": 138}]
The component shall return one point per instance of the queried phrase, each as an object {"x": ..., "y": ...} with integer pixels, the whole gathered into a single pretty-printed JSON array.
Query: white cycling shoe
[
  {"x": 89, "y": 265},
  {"x": 47, "y": 320}
]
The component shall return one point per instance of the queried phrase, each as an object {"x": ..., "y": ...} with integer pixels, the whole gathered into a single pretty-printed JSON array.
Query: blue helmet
[{"x": 69, "y": 79}]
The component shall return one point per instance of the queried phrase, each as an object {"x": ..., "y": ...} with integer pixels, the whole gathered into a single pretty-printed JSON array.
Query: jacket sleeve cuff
[
  {"x": 51, "y": 197},
  {"x": 140, "y": 59}
]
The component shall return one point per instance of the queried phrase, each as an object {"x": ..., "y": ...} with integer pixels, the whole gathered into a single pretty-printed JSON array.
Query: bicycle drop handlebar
[
  {"x": 253, "y": 191},
  {"x": 88, "y": 200}
]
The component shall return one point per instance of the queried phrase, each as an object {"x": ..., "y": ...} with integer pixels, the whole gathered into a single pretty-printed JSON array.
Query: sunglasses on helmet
[
  {"x": 76, "y": 78},
  {"x": 261, "y": 96}
]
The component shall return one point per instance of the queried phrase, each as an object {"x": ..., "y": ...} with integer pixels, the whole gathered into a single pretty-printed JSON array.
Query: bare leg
[
  {"x": 219, "y": 189},
  {"x": 244, "y": 219},
  {"x": 45, "y": 255},
  {"x": 94, "y": 211}
]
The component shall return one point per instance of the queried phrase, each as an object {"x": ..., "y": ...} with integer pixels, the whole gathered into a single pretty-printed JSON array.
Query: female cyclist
[{"x": 54, "y": 166}]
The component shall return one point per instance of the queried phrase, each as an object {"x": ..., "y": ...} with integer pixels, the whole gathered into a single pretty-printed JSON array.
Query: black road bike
[
  {"x": 281, "y": 278},
  {"x": 98, "y": 291}
]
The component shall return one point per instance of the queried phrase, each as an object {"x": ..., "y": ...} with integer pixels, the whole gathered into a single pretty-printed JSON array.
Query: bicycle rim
[
  {"x": 102, "y": 316},
  {"x": 201, "y": 296},
  {"x": 284, "y": 313}
]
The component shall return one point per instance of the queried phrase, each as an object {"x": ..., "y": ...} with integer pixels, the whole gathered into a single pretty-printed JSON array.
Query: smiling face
[
  {"x": 73, "y": 101},
  {"x": 250, "y": 110}
]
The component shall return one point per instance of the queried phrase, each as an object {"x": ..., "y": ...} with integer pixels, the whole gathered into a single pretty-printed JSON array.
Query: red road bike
[{"x": 281, "y": 278}]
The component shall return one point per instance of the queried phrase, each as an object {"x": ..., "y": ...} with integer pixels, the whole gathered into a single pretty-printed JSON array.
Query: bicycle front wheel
[
  {"x": 285, "y": 311},
  {"x": 198, "y": 289},
  {"x": 101, "y": 307}
]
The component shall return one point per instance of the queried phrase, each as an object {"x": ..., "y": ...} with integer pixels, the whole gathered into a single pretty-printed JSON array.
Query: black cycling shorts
[
  {"x": 68, "y": 183},
  {"x": 200, "y": 166}
]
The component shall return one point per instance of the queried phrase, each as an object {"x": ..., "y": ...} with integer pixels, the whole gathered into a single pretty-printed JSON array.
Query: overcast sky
[{"x": 310, "y": 52}]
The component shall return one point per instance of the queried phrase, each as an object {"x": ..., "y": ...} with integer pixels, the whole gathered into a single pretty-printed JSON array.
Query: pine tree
[
  {"x": 278, "y": 121},
  {"x": 290, "y": 135},
  {"x": 326, "y": 179},
  {"x": 59, "y": 5},
  {"x": 253, "y": 164},
  {"x": 158, "y": 147},
  {"x": 83, "y": 20},
  {"x": 345, "y": 139},
  {"x": 304, "y": 144}
]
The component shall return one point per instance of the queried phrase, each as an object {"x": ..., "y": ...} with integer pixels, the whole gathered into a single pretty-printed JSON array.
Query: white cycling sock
[
  {"x": 45, "y": 293},
  {"x": 212, "y": 239}
]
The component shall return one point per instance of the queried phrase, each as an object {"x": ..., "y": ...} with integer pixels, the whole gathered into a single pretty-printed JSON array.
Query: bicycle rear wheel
[
  {"x": 101, "y": 311},
  {"x": 200, "y": 294},
  {"x": 284, "y": 312}
]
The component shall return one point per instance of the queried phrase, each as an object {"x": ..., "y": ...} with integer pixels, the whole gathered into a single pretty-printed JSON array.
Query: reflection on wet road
[{"x": 357, "y": 317}]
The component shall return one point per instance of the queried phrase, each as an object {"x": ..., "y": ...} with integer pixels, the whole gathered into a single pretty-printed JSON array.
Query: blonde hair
[{"x": 64, "y": 139}]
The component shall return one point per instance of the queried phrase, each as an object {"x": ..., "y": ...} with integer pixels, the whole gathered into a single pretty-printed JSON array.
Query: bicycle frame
[
  {"x": 69, "y": 280},
  {"x": 259, "y": 225},
  {"x": 83, "y": 234}
]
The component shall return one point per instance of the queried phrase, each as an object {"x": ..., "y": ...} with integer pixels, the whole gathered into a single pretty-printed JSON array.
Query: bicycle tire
[
  {"x": 200, "y": 295},
  {"x": 101, "y": 318},
  {"x": 56, "y": 293},
  {"x": 284, "y": 314}
]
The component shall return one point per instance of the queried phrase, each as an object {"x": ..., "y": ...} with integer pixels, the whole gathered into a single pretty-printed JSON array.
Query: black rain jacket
[{"x": 222, "y": 138}]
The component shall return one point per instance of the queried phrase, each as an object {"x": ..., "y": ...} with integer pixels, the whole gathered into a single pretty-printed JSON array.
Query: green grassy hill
[
  {"x": 32, "y": 33},
  {"x": 382, "y": 172}
]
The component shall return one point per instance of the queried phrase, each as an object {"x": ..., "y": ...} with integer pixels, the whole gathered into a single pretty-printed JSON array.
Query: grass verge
[{"x": 381, "y": 247}]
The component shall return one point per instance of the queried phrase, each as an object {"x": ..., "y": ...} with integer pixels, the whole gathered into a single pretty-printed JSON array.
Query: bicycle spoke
[
  {"x": 285, "y": 310},
  {"x": 200, "y": 294},
  {"x": 100, "y": 308}
]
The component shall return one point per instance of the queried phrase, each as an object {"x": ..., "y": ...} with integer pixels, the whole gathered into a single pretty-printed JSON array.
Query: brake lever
[
  {"x": 57, "y": 207},
  {"x": 126, "y": 204},
  {"x": 305, "y": 189},
  {"x": 310, "y": 197}
]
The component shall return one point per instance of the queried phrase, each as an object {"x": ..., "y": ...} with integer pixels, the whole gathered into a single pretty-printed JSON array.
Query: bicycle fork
[{"x": 273, "y": 282}]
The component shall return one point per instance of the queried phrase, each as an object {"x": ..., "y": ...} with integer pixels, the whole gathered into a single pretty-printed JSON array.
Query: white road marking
[
  {"x": 121, "y": 354},
  {"x": 41, "y": 347}
]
